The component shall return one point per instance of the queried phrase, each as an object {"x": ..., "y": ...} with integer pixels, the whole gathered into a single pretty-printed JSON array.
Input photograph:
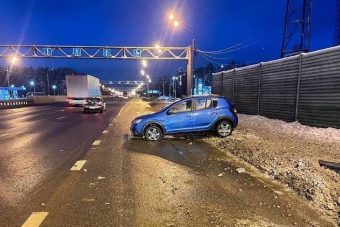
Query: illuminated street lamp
[
  {"x": 144, "y": 63},
  {"x": 54, "y": 87},
  {"x": 176, "y": 23},
  {"x": 158, "y": 48},
  {"x": 171, "y": 16},
  {"x": 32, "y": 83},
  {"x": 142, "y": 72},
  {"x": 12, "y": 60}
]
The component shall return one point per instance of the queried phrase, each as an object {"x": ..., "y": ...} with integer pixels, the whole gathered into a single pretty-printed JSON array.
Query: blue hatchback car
[{"x": 189, "y": 115}]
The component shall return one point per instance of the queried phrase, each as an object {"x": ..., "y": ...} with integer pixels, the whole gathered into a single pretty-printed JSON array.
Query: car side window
[
  {"x": 184, "y": 106},
  {"x": 201, "y": 103},
  {"x": 205, "y": 103},
  {"x": 214, "y": 103},
  {"x": 209, "y": 103}
]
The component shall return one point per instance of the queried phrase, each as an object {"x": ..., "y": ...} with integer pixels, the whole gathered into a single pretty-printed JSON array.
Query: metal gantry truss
[{"x": 95, "y": 52}]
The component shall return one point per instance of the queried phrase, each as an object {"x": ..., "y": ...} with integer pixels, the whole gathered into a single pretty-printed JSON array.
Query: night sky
[{"x": 215, "y": 24}]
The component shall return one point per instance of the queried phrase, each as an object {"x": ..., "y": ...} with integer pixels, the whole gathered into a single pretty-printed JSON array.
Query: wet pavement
[{"x": 174, "y": 182}]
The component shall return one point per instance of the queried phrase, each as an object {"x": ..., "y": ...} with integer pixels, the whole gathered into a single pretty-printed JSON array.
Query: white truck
[{"x": 80, "y": 87}]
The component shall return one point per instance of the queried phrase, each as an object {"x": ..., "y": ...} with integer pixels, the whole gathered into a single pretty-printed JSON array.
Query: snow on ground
[
  {"x": 289, "y": 152},
  {"x": 329, "y": 135}
]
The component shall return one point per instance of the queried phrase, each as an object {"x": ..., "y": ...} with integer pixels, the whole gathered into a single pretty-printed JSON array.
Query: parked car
[
  {"x": 189, "y": 115},
  {"x": 94, "y": 104}
]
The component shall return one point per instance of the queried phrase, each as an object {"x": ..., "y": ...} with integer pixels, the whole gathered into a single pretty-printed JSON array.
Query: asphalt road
[
  {"x": 38, "y": 145},
  {"x": 119, "y": 181}
]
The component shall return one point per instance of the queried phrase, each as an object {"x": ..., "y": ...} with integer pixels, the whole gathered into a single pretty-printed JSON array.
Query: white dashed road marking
[
  {"x": 35, "y": 219},
  {"x": 59, "y": 118},
  {"x": 78, "y": 165},
  {"x": 96, "y": 143},
  {"x": 105, "y": 131}
]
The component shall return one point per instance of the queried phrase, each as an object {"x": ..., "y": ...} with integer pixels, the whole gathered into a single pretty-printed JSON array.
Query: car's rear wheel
[
  {"x": 224, "y": 128},
  {"x": 153, "y": 133}
]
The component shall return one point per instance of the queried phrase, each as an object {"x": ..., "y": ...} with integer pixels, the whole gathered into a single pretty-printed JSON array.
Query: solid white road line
[
  {"x": 121, "y": 110},
  {"x": 6, "y": 134},
  {"x": 59, "y": 118},
  {"x": 96, "y": 143},
  {"x": 35, "y": 219},
  {"x": 105, "y": 131},
  {"x": 78, "y": 165}
]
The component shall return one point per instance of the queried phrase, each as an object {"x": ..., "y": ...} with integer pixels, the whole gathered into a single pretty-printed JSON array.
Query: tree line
[{"x": 41, "y": 79}]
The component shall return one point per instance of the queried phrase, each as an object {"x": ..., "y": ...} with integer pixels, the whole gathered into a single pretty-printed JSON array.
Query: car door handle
[
  {"x": 214, "y": 113},
  {"x": 189, "y": 116}
]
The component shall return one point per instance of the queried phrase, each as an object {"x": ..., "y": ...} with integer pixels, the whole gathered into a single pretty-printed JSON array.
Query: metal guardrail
[
  {"x": 304, "y": 88},
  {"x": 15, "y": 103}
]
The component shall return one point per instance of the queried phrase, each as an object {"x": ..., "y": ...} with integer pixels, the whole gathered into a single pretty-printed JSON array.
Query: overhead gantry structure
[{"x": 103, "y": 52}]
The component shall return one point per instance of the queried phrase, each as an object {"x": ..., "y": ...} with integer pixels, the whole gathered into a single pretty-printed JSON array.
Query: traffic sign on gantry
[{"x": 95, "y": 52}]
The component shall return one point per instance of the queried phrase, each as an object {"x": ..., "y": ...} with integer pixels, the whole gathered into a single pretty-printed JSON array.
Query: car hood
[{"x": 146, "y": 116}]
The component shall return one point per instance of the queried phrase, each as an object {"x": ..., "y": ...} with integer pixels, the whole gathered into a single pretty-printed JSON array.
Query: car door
[
  {"x": 203, "y": 114},
  {"x": 178, "y": 118}
]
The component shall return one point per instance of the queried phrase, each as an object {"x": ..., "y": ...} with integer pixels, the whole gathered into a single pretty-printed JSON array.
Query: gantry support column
[{"x": 190, "y": 67}]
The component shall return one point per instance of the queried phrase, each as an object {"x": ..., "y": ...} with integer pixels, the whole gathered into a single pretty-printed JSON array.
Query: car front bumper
[
  {"x": 136, "y": 130},
  {"x": 93, "y": 108}
]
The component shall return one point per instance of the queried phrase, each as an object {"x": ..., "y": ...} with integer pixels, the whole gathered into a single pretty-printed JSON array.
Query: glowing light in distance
[{"x": 144, "y": 63}]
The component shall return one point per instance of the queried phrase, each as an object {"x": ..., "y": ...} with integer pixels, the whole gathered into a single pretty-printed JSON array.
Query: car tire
[
  {"x": 224, "y": 128},
  {"x": 153, "y": 133},
  {"x": 85, "y": 111}
]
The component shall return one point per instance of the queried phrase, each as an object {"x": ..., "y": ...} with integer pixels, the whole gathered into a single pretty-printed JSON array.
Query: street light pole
[
  {"x": 54, "y": 87},
  {"x": 48, "y": 81},
  {"x": 7, "y": 75},
  {"x": 163, "y": 88}
]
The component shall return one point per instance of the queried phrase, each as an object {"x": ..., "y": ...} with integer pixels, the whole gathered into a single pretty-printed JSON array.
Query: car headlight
[{"x": 137, "y": 121}]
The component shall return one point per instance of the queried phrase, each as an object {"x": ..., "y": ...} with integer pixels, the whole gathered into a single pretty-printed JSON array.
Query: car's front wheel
[
  {"x": 153, "y": 133},
  {"x": 224, "y": 128}
]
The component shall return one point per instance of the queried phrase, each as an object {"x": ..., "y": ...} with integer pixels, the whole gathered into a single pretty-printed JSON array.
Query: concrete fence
[
  {"x": 7, "y": 104},
  {"x": 33, "y": 100},
  {"x": 304, "y": 88},
  {"x": 48, "y": 99}
]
